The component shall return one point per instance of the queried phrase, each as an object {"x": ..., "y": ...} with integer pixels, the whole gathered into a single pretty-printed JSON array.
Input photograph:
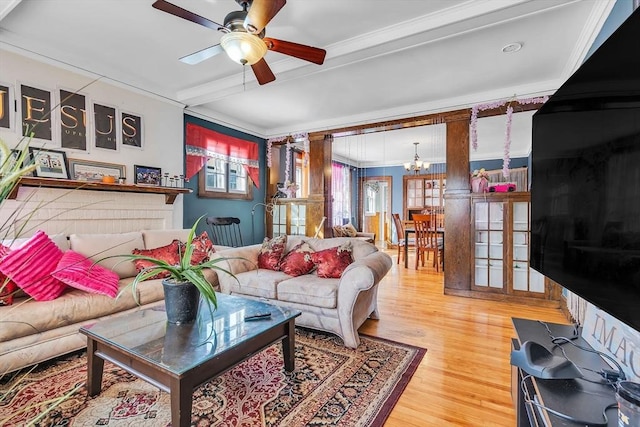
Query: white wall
[{"x": 162, "y": 134}]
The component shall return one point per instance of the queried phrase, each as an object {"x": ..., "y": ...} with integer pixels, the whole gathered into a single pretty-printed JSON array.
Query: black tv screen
[{"x": 585, "y": 179}]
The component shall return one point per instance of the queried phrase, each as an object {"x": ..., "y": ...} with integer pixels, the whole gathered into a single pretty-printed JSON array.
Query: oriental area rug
[{"x": 330, "y": 386}]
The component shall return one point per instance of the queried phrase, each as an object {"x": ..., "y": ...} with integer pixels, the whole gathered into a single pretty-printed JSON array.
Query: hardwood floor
[{"x": 465, "y": 377}]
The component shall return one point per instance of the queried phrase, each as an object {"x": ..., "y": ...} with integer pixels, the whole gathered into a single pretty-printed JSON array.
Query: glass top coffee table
[{"x": 178, "y": 358}]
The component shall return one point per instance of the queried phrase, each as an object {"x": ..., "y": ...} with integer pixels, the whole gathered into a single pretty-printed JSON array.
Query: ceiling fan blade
[
  {"x": 201, "y": 55},
  {"x": 308, "y": 53},
  {"x": 260, "y": 13},
  {"x": 263, "y": 72},
  {"x": 174, "y": 10}
]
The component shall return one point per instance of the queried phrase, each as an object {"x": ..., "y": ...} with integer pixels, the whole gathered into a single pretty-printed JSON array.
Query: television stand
[{"x": 583, "y": 399}]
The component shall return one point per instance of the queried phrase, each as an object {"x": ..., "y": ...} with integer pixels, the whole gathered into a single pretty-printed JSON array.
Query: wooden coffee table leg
[
  {"x": 181, "y": 400},
  {"x": 95, "y": 367},
  {"x": 289, "y": 346}
]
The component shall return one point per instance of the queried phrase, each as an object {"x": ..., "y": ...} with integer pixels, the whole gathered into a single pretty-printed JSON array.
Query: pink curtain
[
  {"x": 203, "y": 144},
  {"x": 341, "y": 192}
]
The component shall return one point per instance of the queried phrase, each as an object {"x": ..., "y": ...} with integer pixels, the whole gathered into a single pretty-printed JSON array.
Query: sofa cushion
[
  {"x": 298, "y": 260},
  {"x": 31, "y": 264},
  {"x": 98, "y": 246},
  {"x": 309, "y": 290},
  {"x": 59, "y": 239},
  {"x": 271, "y": 252},
  {"x": 259, "y": 283},
  {"x": 80, "y": 272},
  {"x": 72, "y": 307},
  {"x": 169, "y": 253},
  {"x": 330, "y": 263},
  {"x": 156, "y": 238}
]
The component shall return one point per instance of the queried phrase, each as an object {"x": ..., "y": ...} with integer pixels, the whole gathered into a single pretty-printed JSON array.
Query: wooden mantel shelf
[{"x": 170, "y": 192}]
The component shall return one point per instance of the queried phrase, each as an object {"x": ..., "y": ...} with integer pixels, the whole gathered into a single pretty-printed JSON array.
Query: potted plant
[{"x": 185, "y": 284}]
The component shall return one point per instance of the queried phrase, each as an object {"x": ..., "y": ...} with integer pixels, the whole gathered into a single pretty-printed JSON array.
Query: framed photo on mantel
[
  {"x": 49, "y": 163},
  {"x": 147, "y": 175}
]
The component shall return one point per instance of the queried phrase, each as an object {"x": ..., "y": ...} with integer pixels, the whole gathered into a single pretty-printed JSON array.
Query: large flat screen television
[{"x": 585, "y": 179}]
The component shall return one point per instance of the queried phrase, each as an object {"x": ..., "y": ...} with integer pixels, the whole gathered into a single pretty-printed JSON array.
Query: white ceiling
[{"x": 385, "y": 59}]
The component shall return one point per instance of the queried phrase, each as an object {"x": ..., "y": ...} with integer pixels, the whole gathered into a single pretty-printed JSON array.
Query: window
[{"x": 226, "y": 180}]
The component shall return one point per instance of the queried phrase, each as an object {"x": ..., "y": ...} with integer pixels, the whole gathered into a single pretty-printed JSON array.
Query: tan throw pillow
[{"x": 349, "y": 230}]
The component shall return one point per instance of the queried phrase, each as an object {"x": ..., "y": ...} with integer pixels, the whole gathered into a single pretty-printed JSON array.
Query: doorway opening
[{"x": 374, "y": 208}]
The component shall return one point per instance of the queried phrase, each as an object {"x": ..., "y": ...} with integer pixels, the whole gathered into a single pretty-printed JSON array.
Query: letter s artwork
[{"x": 131, "y": 130}]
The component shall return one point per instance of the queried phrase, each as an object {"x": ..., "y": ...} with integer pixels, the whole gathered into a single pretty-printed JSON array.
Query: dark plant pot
[{"x": 181, "y": 301}]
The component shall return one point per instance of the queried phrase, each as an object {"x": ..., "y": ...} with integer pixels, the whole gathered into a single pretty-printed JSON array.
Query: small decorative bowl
[{"x": 108, "y": 179}]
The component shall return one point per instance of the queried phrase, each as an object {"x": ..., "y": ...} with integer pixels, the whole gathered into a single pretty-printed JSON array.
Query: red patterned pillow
[
  {"x": 7, "y": 286},
  {"x": 332, "y": 262},
  {"x": 298, "y": 261},
  {"x": 169, "y": 253},
  {"x": 271, "y": 252},
  {"x": 80, "y": 272},
  {"x": 202, "y": 248},
  {"x": 30, "y": 266}
]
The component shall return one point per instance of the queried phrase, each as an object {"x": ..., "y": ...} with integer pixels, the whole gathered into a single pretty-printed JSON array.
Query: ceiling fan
[{"x": 244, "y": 38}]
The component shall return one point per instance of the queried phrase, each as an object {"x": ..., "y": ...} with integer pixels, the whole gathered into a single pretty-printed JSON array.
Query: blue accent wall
[{"x": 252, "y": 226}]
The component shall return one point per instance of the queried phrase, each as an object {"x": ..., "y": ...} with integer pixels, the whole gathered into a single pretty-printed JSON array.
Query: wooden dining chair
[
  {"x": 400, "y": 235},
  {"x": 427, "y": 240}
]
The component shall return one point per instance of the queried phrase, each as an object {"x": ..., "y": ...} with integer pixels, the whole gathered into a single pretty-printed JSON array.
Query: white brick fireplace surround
[{"x": 85, "y": 211}]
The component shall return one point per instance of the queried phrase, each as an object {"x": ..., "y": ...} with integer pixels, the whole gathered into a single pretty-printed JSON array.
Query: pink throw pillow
[
  {"x": 332, "y": 262},
  {"x": 30, "y": 266},
  {"x": 80, "y": 272},
  {"x": 271, "y": 252},
  {"x": 298, "y": 261}
]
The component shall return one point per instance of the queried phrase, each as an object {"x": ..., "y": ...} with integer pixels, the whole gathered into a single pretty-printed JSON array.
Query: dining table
[{"x": 411, "y": 230}]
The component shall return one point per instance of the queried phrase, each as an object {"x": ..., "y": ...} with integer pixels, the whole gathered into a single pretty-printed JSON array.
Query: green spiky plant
[{"x": 182, "y": 272}]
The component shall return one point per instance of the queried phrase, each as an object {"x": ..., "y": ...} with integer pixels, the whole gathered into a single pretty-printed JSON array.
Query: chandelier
[{"x": 417, "y": 164}]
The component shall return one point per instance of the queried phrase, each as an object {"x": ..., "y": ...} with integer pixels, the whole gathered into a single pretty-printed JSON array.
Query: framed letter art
[
  {"x": 49, "y": 163},
  {"x": 73, "y": 120},
  {"x": 6, "y": 106},
  {"x": 131, "y": 130},
  {"x": 106, "y": 128},
  {"x": 35, "y": 112}
]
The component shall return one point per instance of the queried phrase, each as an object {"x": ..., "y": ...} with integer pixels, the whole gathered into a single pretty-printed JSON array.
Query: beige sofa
[
  {"x": 339, "y": 306},
  {"x": 32, "y": 332}
]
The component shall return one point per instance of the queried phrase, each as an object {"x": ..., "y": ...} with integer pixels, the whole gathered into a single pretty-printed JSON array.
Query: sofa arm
[
  {"x": 363, "y": 273},
  {"x": 358, "y": 293},
  {"x": 236, "y": 261}
]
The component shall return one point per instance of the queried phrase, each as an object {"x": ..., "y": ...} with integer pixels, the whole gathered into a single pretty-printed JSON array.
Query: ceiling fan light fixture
[{"x": 243, "y": 48}]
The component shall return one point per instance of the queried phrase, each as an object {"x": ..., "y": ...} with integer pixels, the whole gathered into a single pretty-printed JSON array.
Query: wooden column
[
  {"x": 457, "y": 272},
  {"x": 320, "y": 202}
]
